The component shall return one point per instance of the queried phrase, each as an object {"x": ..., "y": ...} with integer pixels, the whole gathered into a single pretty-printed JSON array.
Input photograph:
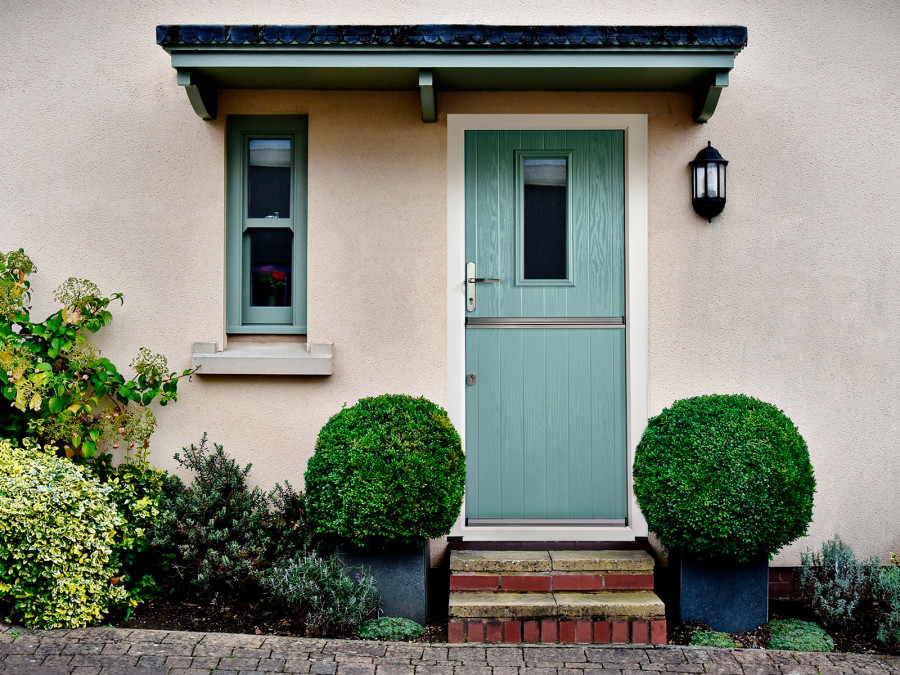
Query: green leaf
[
  {"x": 43, "y": 366},
  {"x": 55, "y": 404}
]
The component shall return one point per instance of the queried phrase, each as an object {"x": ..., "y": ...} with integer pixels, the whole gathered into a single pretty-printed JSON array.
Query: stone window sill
[{"x": 263, "y": 359}]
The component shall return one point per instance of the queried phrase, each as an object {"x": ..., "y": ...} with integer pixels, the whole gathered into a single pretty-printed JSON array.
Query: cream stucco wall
[{"x": 792, "y": 295}]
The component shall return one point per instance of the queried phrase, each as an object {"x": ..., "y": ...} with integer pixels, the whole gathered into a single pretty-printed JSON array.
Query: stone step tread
[
  {"x": 551, "y": 561},
  {"x": 608, "y": 604}
]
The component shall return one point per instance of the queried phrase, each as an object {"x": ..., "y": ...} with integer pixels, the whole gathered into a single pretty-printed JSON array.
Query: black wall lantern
[{"x": 708, "y": 175}]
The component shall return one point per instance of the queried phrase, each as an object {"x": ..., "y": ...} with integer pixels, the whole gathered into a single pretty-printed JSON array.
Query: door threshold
[{"x": 546, "y": 522}]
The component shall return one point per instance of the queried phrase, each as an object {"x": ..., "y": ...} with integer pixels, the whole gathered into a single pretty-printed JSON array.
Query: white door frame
[{"x": 636, "y": 304}]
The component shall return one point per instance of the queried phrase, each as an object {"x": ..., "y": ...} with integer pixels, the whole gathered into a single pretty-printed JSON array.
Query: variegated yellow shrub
[{"x": 57, "y": 529}]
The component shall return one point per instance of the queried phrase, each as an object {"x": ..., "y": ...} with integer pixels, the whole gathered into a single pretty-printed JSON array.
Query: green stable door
[{"x": 545, "y": 328}]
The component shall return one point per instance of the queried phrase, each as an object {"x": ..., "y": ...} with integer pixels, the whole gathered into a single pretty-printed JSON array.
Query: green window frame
[{"x": 240, "y": 315}]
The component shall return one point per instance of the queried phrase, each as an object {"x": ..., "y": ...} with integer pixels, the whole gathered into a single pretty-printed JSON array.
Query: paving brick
[
  {"x": 315, "y": 667},
  {"x": 55, "y": 646},
  {"x": 355, "y": 669},
  {"x": 472, "y": 670},
  {"x": 669, "y": 656},
  {"x": 179, "y": 661},
  {"x": 617, "y": 656},
  {"x": 433, "y": 670},
  {"x": 467, "y": 655},
  {"x": 504, "y": 656},
  {"x": 21, "y": 662},
  {"x": 394, "y": 669},
  {"x": 553, "y": 655},
  {"x": 297, "y": 665}
]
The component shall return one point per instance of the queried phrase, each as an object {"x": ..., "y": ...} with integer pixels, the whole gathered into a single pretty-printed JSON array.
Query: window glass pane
[
  {"x": 269, "y": 179},
  {"x": 270, "y": 266},
  {"x": 544, "y": 218}
]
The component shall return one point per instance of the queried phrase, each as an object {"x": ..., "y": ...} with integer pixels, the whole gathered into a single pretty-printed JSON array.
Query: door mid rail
[{"x": 545, "y": 322}]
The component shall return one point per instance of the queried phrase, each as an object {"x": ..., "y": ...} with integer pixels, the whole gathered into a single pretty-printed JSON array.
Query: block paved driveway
[{"x": 115, "y": 651}]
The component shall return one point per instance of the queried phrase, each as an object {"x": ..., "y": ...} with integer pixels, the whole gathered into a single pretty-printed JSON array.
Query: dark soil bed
[
  {"x": 253, "y": 618},
  {"x": 848, "y": 641}
]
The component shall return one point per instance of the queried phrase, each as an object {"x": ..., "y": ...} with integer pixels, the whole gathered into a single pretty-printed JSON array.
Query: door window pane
[
  {"x": 270, "y": 267},
  {"x": 544, "y": 218},
  {"x": 269, "y": 179}
]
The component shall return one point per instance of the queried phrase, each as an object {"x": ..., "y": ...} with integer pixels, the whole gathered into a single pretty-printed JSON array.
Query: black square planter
[
  {"x": 399, "y": 576},
  {"x": 729, "y": 596}
]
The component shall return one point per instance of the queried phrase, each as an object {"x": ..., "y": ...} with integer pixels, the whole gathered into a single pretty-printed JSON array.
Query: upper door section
[{"x": 545, "y": 214}]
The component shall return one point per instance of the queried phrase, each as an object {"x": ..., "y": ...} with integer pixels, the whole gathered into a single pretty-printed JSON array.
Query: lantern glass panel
[
  {"x": 712, "y": 180},
  {"x": 722, "y": 181},
  {"x": 699, "y": 181}
]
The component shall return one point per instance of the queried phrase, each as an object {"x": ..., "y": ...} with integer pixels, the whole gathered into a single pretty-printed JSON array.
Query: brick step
[
  {"x": 570, "y": 605},
  {"x": 606, "y": 616},
  {"x": 554, "y": 596},
  {"x": 546, "y": 571},
  {"x": 627, "y": 631}
]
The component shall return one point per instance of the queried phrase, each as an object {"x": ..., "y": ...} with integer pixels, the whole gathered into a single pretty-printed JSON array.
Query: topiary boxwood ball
[
  {"x": 388, "y": 471},
  {"x": 724, "y": 476}
]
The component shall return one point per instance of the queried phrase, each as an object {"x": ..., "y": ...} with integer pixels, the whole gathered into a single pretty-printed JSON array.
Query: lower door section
[{"x": 545, "y": 426}]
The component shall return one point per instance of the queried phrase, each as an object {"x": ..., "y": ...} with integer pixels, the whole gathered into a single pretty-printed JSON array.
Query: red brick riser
[
  {"x": 557, "y": 582},
  {"x": 634, "y": 631}
]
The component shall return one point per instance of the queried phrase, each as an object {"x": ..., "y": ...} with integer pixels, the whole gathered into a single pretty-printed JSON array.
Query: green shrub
[
  {"x": 798, "y": 636},
  {"x": 57, "y": 532},
  {"x": 393, "y": 629},
  {"x": 887, "y": 592},
  {"x": 219, "y": 536},
  {"x": 389, "y": 470},
  {"x": 136, "y": 489},
  {"x": 724, "y": 476},
  {"x": 711, "y": 638},
  {"x": 61, "y": 392},
  {"x": 836, "y": 586},
  {"x": 335, "y": 604}
]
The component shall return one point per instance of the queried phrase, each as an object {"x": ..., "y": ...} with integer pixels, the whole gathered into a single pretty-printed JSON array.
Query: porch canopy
[{"x": 432, "y": 58}]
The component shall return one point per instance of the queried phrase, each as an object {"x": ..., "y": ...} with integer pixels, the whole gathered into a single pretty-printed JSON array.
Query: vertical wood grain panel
[
  {"x": 557, "y": 421},
  {"x": 535, "y": 406},
  {"x": 510, "y": 296},
  {"x": 512, "y": 422}
]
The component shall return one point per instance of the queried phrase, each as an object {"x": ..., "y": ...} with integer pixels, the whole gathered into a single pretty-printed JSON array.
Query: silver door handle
[{"x": 471, "y": 280}]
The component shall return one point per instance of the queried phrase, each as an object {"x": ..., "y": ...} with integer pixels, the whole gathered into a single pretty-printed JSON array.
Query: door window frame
[{"x": 636, "y": 303}]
